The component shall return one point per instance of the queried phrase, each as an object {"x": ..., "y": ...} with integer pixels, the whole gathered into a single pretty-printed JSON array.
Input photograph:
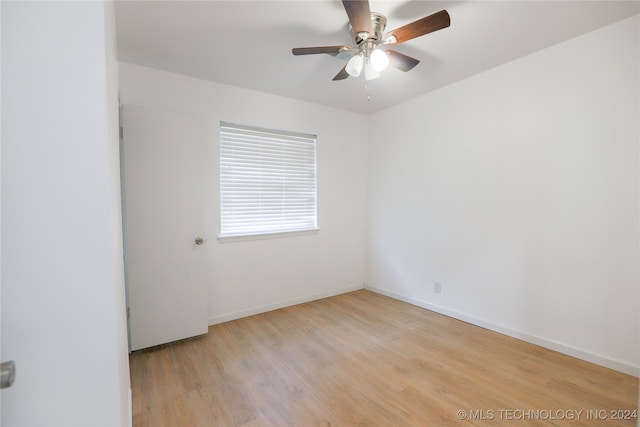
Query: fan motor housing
[{"x": 378, "y": 24}]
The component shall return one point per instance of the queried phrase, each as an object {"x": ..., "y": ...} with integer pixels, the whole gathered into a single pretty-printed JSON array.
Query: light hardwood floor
[{"x": 364, "y": 359}]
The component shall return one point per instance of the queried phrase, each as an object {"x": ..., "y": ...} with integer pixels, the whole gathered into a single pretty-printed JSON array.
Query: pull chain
[{"x": 366, "y": 90}]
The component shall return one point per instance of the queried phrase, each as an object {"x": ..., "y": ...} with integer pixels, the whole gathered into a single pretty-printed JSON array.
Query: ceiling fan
[{"x": 369, "y": 51}]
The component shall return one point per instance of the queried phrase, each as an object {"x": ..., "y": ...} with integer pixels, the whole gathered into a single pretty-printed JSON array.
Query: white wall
[
  {"x": 63, "y": 318},
  {"x": 250, "y": 276},
  {"x": 517, "y": 190}
]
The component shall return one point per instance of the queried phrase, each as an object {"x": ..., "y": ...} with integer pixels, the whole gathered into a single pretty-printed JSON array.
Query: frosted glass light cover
[
  {"x": 370, "y": 72},
  {"x": 354, "y": 66},
  {"x": 379, "y": 60}
]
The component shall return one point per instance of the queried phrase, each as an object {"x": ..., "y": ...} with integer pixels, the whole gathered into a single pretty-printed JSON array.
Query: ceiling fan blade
[
  {"x": 359, "y": 15},
  {"x": 400, "y": 60},
  {"x": 426, "y": 25},
  {"x": 342, "y": 74},
  {"x": 331, "y": 50}
]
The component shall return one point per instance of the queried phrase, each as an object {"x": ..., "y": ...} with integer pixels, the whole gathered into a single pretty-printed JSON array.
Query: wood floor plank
[{"x": 363, "y": 359}]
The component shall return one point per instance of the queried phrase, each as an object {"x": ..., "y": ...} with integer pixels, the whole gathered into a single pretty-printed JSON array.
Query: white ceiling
[{"x": 248, "y": 43}]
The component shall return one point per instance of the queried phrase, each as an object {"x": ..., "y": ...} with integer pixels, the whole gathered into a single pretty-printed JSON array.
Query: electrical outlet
[{"x": 437, "y": 287}]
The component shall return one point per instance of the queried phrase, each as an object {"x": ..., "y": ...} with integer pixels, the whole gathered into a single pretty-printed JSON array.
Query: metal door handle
[{"x": 7, "y": 374}]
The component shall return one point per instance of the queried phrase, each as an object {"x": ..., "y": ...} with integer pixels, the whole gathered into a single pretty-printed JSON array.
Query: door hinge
[{"x": 128, "y": 313}]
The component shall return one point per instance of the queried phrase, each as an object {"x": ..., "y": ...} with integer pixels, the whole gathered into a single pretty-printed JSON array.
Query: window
[{"x": 267, "y": 181}]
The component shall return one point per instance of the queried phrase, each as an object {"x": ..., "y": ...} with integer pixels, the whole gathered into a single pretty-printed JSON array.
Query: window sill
[{"x": 265, "y": 236}]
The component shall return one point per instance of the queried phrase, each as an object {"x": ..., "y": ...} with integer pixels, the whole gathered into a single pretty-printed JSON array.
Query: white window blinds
[{"x": 267, "y": 181}]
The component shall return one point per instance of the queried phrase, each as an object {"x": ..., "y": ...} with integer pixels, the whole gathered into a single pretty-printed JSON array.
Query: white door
[{"x": 164, "y": 215}]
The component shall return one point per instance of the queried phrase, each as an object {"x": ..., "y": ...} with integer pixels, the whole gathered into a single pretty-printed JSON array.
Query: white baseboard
[
  {"x": 605, "y": 361},
  {"x": 221, "y": 318}
]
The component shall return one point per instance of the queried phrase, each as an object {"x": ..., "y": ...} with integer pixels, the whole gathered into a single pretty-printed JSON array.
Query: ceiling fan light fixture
[
  {"x": 379, "y": 60},
  {"x": 367, "y": 31},
  {"x": 370, "y": 72},
  {"x": 354, "y": 66}
]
